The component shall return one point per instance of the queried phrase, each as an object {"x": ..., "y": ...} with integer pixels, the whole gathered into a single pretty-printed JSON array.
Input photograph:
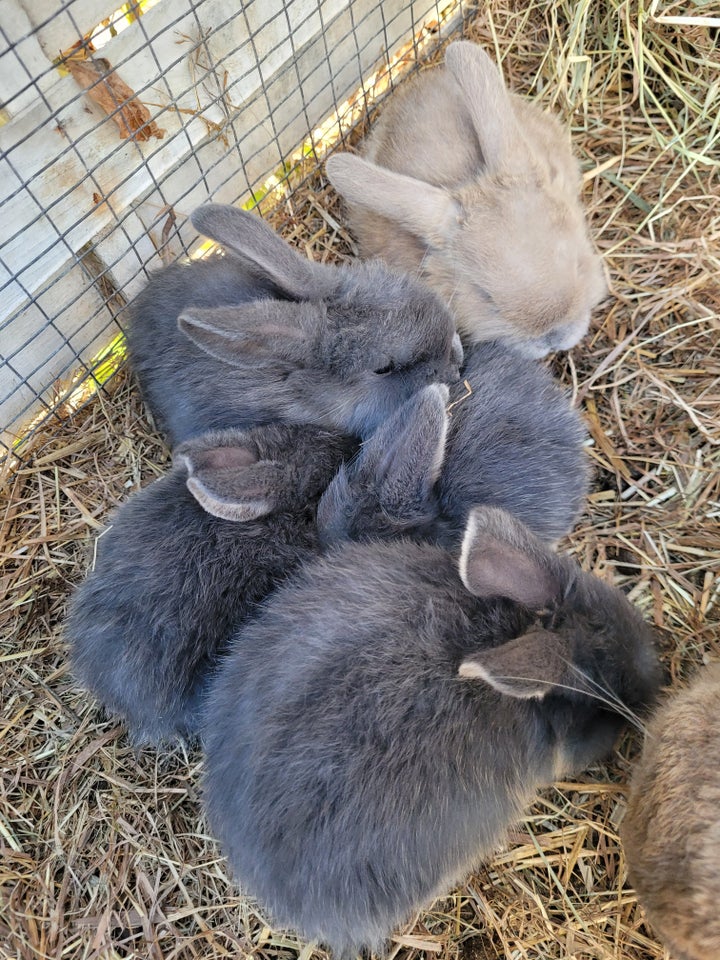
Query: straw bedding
[{"x": 105, "y": 852}]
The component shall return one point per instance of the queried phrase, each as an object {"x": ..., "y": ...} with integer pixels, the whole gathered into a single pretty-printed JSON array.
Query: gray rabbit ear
[
  {"x": 406, "y": 453},
  {"x": 248, "y": 236},
  {"x": 532, "y": 665},
  {"x": 261, "y": 329},
  {"x": 394, "y": 473},
  {"x": 500, "y": 557},
  {"x": 228, "y": 481},
  {"x": 427, "y": 211},
  {"x": 489, "y": 105}
]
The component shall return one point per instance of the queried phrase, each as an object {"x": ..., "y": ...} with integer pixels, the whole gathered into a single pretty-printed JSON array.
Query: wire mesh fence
[{"x": 116, "y": 123}]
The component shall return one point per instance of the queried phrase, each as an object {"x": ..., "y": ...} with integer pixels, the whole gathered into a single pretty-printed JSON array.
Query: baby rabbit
[
  {"x": 189, "y": 557},
  {"x": 513, "y": 442},
  {"x": 373, "y": 732},
  {"x": 477, "y": 191},
  {"x": 265, "y": 335},
  {"x": 671, "y": 831}
]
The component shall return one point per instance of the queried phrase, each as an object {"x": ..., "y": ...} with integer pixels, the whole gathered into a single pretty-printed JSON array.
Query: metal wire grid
[{"x": 77, "y": 345}]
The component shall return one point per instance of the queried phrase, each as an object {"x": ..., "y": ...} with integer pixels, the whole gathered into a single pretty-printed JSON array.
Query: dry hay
[{"x": 104, "y": 852}]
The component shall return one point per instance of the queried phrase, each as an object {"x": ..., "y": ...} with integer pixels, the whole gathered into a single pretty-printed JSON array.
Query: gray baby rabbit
[
  {"x": 374, "y": 731},
  {"x": 189, "y": 557},
  {"x": 265, "y": 335},
  {"x": 512, "y": 442},
  {"x": 671, "y": 831},
  {"x": 477, "y": 191}
]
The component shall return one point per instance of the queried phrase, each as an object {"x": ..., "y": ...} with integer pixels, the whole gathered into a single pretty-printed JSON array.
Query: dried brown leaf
[{"x": 103, "y": 85}]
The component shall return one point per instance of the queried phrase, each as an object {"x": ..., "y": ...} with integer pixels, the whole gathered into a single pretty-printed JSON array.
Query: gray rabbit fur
[
  {"x": 477, "y": 191},
  {"x": 512, "y": 442},
  {"x": 265, "y": 335},
  {"x": 374, "y": 731},
  {"x": 188, "y": 558}
]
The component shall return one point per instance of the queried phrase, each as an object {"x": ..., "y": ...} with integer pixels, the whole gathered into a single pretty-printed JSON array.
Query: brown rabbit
[
  {"x": 671, "y": 831},
  {"x": 478, "y": 191}
]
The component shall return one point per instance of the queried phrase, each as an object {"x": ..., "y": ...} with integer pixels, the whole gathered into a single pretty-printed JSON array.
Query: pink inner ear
[
  {"x": 494, "y": 568},
  {"x": 223, "y": 458}
]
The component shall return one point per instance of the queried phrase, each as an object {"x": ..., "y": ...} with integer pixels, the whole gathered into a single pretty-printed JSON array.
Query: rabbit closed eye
[
  {"x": 264, "y": 335},
  {"x": 510, "y": 439}
]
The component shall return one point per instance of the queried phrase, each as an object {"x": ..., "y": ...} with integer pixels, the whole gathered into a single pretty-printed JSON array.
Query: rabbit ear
[
  {"x": 249, "y": 237},
  {"x": 500, "y": 557},
  {"x": 263, "y": 328},
  {"x": 406, "y": 453},
  {"x": 427, "y": 211},
  {"x": 393, "y": 474},
  {"x": 228, "y": 481},
  {"x": 489, "y": 105},
  {"x": 528, "y": 666}
]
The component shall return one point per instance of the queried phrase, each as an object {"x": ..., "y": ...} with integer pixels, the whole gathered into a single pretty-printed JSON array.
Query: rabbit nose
[{"x": 567, "y": 335}]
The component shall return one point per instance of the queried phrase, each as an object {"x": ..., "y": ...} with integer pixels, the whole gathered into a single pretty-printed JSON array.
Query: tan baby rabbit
[
  {"x": 671, "y": 831},
  {"x": 478, "y": 191}
]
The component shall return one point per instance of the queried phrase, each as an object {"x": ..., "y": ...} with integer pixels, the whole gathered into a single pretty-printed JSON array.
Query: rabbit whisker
[
  {"x": 604, "y": 695},
  {"x": 610, "y": 698}
]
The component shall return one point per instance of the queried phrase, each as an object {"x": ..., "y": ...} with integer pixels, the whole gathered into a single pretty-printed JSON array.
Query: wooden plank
[
  {"x": 64, "y": 201},
  {"x": 81, "y": 206},
  {"x": 59, "y": 23},
  {"x": 25, "y": 71},
  {"x": 300, "y": 95},
  {"x": 55, "y": 158}
]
